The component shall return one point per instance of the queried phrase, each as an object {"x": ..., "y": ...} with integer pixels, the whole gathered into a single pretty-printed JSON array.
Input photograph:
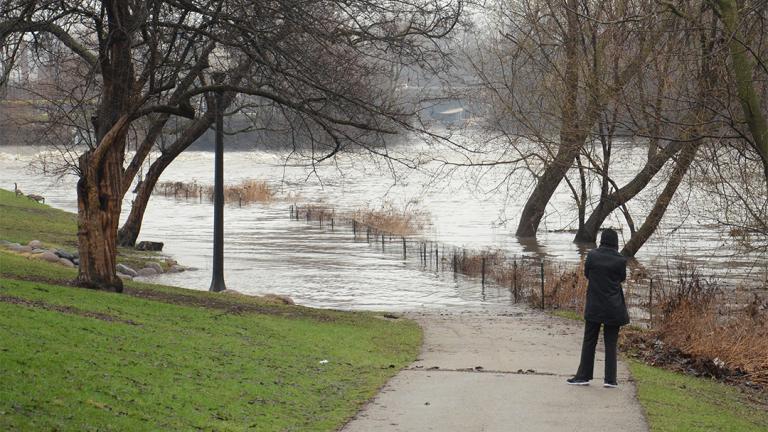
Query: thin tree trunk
[
  {"x": 707, "y": 79},
  {"x": 129, "y": 232},
  {"x": 583, "y": 196},
  {"x": 612, "y": 201},
  {"x": 662, "y": 201},
  {"x": 154, "y": 132}
]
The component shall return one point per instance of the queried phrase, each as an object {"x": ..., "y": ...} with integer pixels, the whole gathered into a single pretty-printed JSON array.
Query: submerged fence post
[
  {"x": 650, "y": 305},
  {"x": 442, "y": 263},
  {"x": 542, "y": 284},
  {"x": 454, "y": 261},
  {"x": 483, "y": 270},
  {"x": 382, "y": 242},
  {"x": 514, "y": 278},
  {"x": 368, "y": 234},
  {"x": 437, "y": 257},
  {"x": 404, "y": 249}
]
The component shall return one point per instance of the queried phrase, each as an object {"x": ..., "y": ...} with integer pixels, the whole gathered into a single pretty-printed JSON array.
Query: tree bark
[
  {"x": 98, "y": 205},
  {"x": 99, "y": 189},
  {"x": 662, "y": 201}
]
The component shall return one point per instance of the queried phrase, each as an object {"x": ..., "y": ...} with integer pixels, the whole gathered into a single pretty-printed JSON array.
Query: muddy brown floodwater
[{"x": 267, "y": 252}]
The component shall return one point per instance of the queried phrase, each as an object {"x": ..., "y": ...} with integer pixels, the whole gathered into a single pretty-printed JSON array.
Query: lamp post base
[{"x": 217, "y": 286}]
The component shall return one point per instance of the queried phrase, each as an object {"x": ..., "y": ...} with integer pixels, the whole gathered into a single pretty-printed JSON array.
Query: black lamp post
[{"x": 217, "y": 282}]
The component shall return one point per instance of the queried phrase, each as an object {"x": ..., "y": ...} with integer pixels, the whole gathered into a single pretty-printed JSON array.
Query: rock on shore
[{"x": 35, "y": 249}]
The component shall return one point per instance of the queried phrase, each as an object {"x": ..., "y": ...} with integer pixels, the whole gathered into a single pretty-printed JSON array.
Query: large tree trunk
[
  {"x": 662, "y": 201},
  {"x": 98, "y": 212},
  {"x": 129, "y": 232},
  {"x": 99, "y": 189},
  {"x": 537, "y": 202},
  {"x": 571, "y": 140}
]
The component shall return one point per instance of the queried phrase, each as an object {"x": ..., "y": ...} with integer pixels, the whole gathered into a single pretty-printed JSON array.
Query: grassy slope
[
  {"x": 164, "y": 358},
  {"x": 23, "y": 220}
]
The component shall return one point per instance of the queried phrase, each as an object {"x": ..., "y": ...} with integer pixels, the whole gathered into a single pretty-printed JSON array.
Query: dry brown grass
[
  {"x": 566, "y": 288},
  {"x": 695, "y": 317},
  {"x": 736, "y": 341},
  {"x": 691, "y": 315},
  {"x": 388, "y": 220},
  {"x": 246, "y": 192},
  {"x": 391, "y": 220}
]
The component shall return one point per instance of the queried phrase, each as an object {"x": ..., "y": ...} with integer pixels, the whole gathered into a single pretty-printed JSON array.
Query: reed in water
[{"x": 246, "y": 192}]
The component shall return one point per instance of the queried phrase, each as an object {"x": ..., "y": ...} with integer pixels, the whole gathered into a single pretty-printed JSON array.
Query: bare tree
[
  {"x": 139, "y": 51},
  {"x": 746, "y": 63},
  {"x": 552, "y": 77}
]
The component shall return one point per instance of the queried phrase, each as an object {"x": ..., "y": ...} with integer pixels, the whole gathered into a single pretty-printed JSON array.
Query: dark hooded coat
[{"x": 606, "y": 269}]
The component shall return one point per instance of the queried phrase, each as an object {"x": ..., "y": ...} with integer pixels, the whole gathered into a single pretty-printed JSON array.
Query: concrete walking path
[{"x": 500, "y": 372}]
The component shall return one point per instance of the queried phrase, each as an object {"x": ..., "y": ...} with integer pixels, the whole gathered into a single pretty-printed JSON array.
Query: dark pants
[{"x": 587, "y": 365}]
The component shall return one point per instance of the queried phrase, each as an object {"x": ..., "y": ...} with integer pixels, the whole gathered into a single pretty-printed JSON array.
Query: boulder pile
[{"x": 35, "y": 249}]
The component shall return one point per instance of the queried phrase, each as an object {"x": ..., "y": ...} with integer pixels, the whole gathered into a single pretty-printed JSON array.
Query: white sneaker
[{"x": 610, "y": 385}]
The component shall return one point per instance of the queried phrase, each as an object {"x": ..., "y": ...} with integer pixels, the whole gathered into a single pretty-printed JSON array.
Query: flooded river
[{"x": 266, "y": 252}]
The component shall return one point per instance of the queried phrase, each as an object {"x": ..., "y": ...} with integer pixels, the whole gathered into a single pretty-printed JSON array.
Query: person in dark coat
[{"x": 605, "y": 269}]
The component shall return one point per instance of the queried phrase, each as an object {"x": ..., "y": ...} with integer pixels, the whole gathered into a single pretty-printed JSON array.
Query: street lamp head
[{"x": 219, "y": 63}]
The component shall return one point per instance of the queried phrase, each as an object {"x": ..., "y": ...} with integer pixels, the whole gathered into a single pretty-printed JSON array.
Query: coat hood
[{"x": 609, "y": 238}]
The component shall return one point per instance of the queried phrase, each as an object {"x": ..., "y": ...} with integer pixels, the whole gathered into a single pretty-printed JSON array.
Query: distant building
[{"x": 453, "y": 112}]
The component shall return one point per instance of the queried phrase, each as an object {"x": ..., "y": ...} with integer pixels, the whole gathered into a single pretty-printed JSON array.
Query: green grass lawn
[
  {"x": 22, "y": 220},
  {"x": 674, "y": 402},
  {"x": 166, "y": 358},
  {"x": 568, "y": 314}
]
